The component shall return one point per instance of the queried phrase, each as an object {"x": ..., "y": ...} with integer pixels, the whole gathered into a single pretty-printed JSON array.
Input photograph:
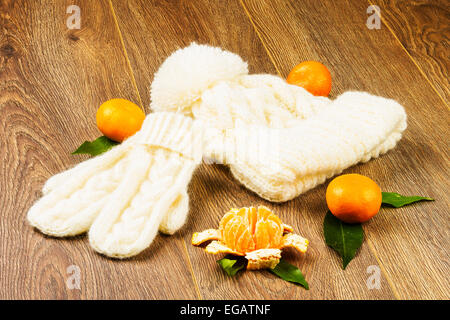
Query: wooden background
[{"x": 53, "y": 79}]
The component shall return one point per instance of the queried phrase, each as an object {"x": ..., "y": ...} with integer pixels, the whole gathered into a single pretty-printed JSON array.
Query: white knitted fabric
[
  {"x": 278, "y": 139},
  {"x": 124, "y": 195}
]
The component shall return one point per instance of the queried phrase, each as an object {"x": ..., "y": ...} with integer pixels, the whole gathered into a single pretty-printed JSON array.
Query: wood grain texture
[
  {"x": 166, "y": 26},
  {"x": 423, "y": 28},
  {"x": 411, "y": 243},
  {"x": 52, "y": 81}
]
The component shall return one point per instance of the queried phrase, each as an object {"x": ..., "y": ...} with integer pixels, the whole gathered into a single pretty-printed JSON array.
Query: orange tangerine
[
  {"x": 248, "y": 229},
  {"x": 353, "y": 198},
  {"x": 119, "y": 119},
  {"x": 313, "y": 76}
]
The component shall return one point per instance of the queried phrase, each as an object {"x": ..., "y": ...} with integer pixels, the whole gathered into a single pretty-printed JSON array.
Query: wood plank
[
  {"x": 166, "y": 26},
  {"x": 411, "y": 243},
  {"x": 423, "y": 28},
  {"x": 170, "y": 25},
  {"x": 52, "y": 81}
]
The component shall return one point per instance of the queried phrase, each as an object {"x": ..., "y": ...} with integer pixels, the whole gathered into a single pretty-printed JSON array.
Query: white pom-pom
[{"x": 188, "y": 72}]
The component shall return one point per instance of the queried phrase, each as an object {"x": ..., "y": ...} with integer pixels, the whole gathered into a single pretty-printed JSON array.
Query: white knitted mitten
[
  {"x": 123, "y": 196},
  {"x": 278, "y": 139}
]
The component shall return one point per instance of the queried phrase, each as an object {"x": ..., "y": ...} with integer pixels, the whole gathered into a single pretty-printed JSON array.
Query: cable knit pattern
[
  {"x": 278, "y": 139},
  {"x": 123, "y": 196},
  {"x": 354, "y": 128}
]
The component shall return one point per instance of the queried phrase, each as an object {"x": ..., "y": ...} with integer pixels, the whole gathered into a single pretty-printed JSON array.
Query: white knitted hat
[
  {"x": 177, "y": 88},
  {"x": 303, "y": 139}
]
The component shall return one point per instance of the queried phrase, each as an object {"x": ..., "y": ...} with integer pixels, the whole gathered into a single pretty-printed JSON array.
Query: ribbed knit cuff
[{"x": 171, "y": 131}]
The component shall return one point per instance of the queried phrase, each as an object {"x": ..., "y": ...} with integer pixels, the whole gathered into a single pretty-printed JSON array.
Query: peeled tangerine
[{"x": 257, "y": 234}]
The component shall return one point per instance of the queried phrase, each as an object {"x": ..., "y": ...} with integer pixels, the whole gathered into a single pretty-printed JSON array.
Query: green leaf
[
  {"x": 397, "y": 200},
  {"x": 232, "y": 264},
  {"x": 343, "y": 237},
  {"x": 96, "y": 147},
  {"x": 288, "y": 272}
]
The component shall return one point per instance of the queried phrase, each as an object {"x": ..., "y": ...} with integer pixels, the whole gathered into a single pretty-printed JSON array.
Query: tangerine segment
[
  {"x": 261, "y": 236},
  {"x": 252, "y": 219},
  {"x": 264, "y": 212},
  {"x": 242, "y": 228},
  {"x": 275, "y": 233},
  {"x": 353, "y": 198},
  {"x": 230, "y": 232},
  {"x": 245, "y": 242},
  {"x": 225, "y": 219}
]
